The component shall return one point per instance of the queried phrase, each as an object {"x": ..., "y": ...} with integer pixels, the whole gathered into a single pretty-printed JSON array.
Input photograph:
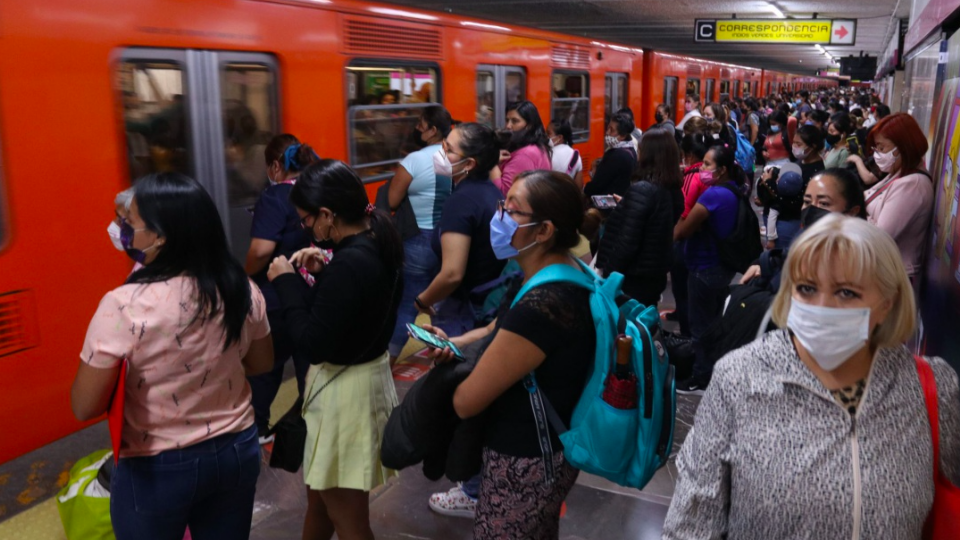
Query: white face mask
[
  {"x": 114, "y": 232},
  {"x": 442, "y": 165},
  {"x": 884, "y": 160},
  {"x": 830, "y": 335},
  {"x": 611, "y": 141}
]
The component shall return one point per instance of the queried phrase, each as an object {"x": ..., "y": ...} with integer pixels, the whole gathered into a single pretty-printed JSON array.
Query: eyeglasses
[
  {"x": 303, "y": 221},
  {"x": 502, "y": 209}
]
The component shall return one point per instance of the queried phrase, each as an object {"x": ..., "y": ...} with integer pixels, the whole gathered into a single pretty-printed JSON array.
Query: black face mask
[
  {"x": 327, "y": 244},
  {"x": 832, "y": 139},
  {"x": 811, "y": 215},
  {"x": 659, "y": 118}
]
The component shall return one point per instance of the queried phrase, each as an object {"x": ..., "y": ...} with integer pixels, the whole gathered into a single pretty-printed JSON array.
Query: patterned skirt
[{"x": 515, "y": 501}]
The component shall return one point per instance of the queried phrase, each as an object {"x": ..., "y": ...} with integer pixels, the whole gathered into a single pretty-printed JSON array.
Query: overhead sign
[{"x": 802, "y": 31}]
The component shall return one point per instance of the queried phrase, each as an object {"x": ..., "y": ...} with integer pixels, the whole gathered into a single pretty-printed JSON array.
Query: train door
[
  {"x": 208, "y": 115},
  {"x": 615, "y": 95},
  {"x": 498, "y": 86}
]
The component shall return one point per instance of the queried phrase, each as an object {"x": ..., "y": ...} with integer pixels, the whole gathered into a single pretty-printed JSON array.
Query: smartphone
[
  {"x": 604, "y": 202},
  {"x": 433, "y": 340}
]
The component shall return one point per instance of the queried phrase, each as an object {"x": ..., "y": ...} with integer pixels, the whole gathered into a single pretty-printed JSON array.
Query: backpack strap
[
  {"x": 573, "y": 162},
  {"x": 559, "y": 273}
]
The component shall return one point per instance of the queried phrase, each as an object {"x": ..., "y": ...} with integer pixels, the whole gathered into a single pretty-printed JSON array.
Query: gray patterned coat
[{"x": 772, "y": 455}]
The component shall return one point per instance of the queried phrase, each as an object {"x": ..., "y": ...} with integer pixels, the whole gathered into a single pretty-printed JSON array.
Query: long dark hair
[
  {"x": 694, "y": 144},
  {"x": 534, "y": 133},
  {"x": 178, "y": 209},
  {"x": 332, "y": 184},
  {"x": 659, "y": 161}
]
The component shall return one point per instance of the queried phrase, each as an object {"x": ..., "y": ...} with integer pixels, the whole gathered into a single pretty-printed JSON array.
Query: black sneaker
[{"x": 690, "y": 387}]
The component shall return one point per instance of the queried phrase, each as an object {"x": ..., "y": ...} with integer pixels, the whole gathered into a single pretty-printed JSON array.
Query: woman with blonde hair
[{"x": 820, "y": 429}]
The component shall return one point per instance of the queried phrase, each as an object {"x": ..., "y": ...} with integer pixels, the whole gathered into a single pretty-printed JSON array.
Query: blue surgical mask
[
  {"x": 774, "y": 129},
  {"x": 502, "y": 229}
]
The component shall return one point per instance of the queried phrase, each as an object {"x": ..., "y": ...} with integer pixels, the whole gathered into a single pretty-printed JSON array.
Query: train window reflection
[
  {"x": 516, "y": 86},
  {"x": 708, "y": 96},
  {"x": 693, "y": 87},
  {"x": 571, "y": 102},
  {"x": 248, "y": 97},
  {"x": 154, "y": 116},
  {"x": 670, "y": 91},
  {"x": 486, "y": 98},
  {"x": 724, "y": 90},
  {"x": 385, "y": 103},
  {"x": 736, "y": 88},
  {"x": 622, "y": 91}
]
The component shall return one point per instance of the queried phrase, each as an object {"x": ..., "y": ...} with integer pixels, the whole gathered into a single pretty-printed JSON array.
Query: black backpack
[
  {"x": 742, "y": 246},
  {"x": 740, "y": 322}
]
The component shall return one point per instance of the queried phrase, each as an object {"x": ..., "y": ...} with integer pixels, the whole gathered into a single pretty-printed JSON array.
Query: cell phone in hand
[
  {"x": 433, "y": 340},
  {"x": 604, "y": 202}
]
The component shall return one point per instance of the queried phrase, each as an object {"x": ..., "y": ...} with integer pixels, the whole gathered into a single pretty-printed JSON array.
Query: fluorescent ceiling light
[
  {"x": 403, "y": 13},
  {"x": 484, "y": 26},
  {"x": 776, "y": 11}
]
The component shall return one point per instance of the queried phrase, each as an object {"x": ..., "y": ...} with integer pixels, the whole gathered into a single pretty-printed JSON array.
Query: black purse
[{"x": 290, "y": 432}]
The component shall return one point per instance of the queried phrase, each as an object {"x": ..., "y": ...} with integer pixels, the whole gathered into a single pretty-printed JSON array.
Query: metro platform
[{"x": 595, "y": 508}]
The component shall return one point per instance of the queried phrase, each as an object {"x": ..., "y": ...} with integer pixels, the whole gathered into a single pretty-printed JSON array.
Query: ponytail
[
  {"x": 387, "y": 238},
  {"x": 298, "y": 157}
]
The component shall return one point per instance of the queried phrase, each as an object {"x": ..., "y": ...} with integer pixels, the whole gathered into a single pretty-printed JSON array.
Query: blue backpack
[
  {"x": 746, "y": 155},
  {"x": 624, "y": 446}
]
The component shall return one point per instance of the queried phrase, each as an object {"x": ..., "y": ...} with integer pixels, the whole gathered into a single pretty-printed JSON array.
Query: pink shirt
[
  {"x": 902, "y": 208},
  {"x": 528, "y": 158},
  {"x": 182, "y": 387},
  {"x": 693, "y": 188}
]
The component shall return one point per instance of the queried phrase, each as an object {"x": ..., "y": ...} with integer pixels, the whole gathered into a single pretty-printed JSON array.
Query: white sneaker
[{"x": 454, "y": 503}]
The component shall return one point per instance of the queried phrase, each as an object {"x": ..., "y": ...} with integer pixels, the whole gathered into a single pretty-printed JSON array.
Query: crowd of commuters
[{"x": 842, "y": 192}]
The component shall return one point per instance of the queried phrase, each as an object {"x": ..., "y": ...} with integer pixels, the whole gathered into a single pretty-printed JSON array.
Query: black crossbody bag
[{"x": 290, "y": 432}]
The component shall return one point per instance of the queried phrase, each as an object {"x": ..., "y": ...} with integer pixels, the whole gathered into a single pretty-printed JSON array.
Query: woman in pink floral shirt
[{"x": 191, "y": 327}]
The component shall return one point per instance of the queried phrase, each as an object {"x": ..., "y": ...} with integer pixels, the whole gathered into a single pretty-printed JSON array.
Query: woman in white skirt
[{"x": 343, "y": 323}]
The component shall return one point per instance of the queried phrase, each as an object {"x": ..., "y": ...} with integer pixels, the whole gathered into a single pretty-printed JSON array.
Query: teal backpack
[{"x": 623, "y": 446}]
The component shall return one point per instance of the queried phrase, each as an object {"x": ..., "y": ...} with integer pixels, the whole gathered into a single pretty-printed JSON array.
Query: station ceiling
[{"x": 668, "y": 25}]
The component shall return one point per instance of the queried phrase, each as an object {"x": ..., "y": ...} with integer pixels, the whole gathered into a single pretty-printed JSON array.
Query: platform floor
[{"x": 596, "y": 508}]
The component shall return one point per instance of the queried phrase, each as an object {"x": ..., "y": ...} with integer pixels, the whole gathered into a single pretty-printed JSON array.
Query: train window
[
  {"x": 154, "y": 116},
  {"x": 670, "y": 91},
  {"x": 693, "y": 87},
  {"x": 515, "y": 85},
  {"x": 736, "y": 88},
  {"x": 724, "y": 90},
  {"x": 570, "y": 93},
  {"x": 249, "y": 108},
  {"x": 746, "y": 89},
  {"x": 385, "y": 102},
  {"x": 708, "y": 96},
  {"x": 486, "y": 98},
  {"x": 615, "y": 94}
]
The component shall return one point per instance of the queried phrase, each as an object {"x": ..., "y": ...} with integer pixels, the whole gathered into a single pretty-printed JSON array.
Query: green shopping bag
[{"x": 83, "y": 504}]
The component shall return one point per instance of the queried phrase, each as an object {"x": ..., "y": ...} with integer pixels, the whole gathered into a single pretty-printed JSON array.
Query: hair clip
[{"x": 369, "y": 209}]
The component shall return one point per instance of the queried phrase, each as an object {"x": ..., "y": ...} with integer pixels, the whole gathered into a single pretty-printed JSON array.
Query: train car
[
  {"x": 670, "y": 78},
  {"x": 94, "y": 95}
]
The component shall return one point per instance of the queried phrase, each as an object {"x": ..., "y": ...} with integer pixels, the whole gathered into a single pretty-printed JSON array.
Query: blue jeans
[
  {"x": 209, "y": 486},
  {"x": 264, "y": 387},
  {"x": 420, "y": 266},
  {"x": 707, "y": 289},
  {"x": 786, "y": 232}
]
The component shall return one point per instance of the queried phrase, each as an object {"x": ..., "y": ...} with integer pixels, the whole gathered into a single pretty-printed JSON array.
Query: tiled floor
[{"x": 596, "y": 508}]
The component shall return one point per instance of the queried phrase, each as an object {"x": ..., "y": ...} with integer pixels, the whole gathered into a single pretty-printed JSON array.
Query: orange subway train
[{"x": 94, "y": 94}]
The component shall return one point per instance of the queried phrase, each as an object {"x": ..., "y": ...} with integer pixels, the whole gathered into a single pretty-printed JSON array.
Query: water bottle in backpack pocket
[{"x": 624, "y": 445}]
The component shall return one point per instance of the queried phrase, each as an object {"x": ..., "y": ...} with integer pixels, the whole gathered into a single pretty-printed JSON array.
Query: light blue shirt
[{"x": 427, "y": 195}]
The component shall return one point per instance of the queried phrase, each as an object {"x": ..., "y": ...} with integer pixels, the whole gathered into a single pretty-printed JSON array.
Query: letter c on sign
[{"x": 705, "y": 31}]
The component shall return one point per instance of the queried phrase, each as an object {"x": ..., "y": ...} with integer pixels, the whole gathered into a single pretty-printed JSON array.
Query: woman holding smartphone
[{"x": 343, "y": 324}]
